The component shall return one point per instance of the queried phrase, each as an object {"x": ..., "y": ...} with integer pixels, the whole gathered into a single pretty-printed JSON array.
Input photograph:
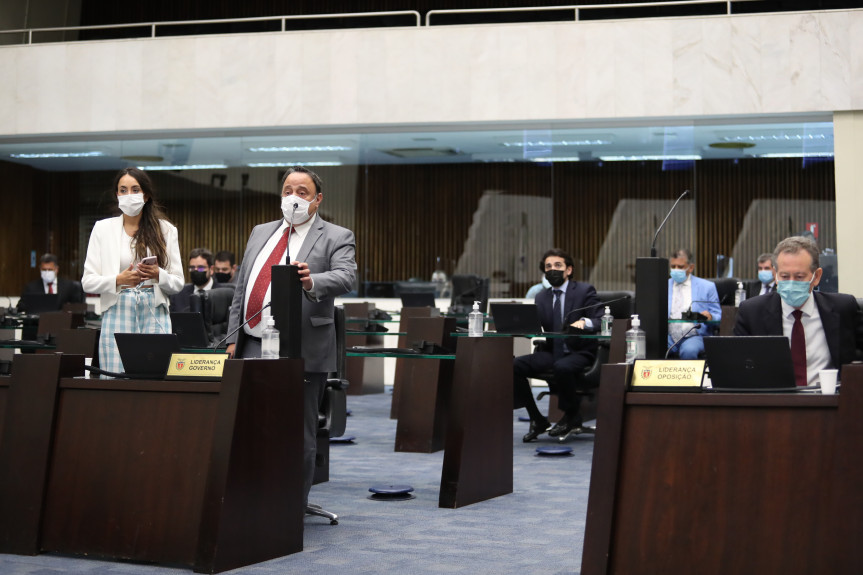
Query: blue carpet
[{"x": 539, "y": 528}]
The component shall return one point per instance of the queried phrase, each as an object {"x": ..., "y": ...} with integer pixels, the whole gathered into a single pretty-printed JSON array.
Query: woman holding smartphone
[{"x": 133, "y": 263}]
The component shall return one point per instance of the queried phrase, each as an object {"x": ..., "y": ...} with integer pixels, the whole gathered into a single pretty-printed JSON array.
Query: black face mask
[
  {"x": 222, "y": 277},
  {"x": 200, "y": 279},
  {"x": 555, "y": 277}
]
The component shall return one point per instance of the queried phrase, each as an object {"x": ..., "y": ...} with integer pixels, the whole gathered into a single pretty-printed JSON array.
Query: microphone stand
[
  {"x": 218, "y": 345},
  {"x": 600, "y": 304},
  {"x": 682, "y": 337},
  {"x": 651, "y": 285}
]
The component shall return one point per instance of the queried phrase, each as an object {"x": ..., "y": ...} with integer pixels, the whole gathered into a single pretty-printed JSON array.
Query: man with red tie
[
  {"x": 67, "y": 291},
  {"x": 824, "y": 329},
  {"x": 324, "y": 254}
]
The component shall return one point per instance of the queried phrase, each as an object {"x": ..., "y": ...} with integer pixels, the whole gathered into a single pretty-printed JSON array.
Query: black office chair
[
  {"x": 216, "y": 311},
  {"x": 587, "y": 393},
  {"x": 332, "y": 418},
  {"x": 623, "y": 305},
  {"x": 725, "y": 288}
]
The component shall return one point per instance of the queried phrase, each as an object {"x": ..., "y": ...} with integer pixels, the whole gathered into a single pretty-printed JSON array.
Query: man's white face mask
[{"x": 295, "y": 215}]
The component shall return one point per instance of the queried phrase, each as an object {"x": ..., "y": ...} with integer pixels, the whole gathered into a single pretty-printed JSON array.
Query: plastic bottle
[
  {"x": 270, "y": 340},
  {"x": 739, "y": 294},
  {"x": 606, "y": 322},
  {"x": 475, "y": 321},
  {"x": 636, "y": 341}
]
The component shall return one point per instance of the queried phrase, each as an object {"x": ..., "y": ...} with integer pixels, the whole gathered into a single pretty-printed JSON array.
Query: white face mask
[
  {"x": 131, "y": 204},
  {"x": 48, "y": 276},
  {"x": 300, "y": 214}
]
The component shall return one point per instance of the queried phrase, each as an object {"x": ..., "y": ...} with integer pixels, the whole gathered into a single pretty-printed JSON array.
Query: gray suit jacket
[{"x": 329, "y": 251}]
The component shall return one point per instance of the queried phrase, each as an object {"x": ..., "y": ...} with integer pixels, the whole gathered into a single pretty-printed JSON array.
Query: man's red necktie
[
  {"x": 256, "y": 298},
  {"x": 51, "y": 288},
  {"x": 798, "y": 349}
]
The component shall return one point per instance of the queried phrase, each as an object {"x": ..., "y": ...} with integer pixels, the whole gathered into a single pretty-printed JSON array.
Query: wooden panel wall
[{"x": 404, "y": 217}]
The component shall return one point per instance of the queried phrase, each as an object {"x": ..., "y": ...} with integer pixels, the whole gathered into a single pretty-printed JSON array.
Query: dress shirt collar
[{"x": 809, "y": 308}]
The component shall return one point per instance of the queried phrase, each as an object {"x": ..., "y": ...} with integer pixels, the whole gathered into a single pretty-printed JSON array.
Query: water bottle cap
[
  {"x": 635, "y": 321},
  {"x": 607, "y": 310},
  {"x": 476, "y": 305},
  {"x": 271, "y": 321}
]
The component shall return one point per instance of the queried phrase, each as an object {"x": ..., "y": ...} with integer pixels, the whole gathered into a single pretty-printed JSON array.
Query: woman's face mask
[{"x": 131, "y": 204}]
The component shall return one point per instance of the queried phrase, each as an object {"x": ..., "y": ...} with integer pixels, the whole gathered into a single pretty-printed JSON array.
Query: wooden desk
[
  {"x": 726, "y": 483},
  {"x": 366, "y": 374},
  {"x": 425, "y": 389},
  {"x": 403, "y": 365},
  {"x": 202, "y": 474}
]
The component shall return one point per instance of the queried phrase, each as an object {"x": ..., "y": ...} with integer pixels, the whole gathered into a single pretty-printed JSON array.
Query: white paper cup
[
  {"x": 87, "y": 361},
  {"x": 828, "y": 381}
]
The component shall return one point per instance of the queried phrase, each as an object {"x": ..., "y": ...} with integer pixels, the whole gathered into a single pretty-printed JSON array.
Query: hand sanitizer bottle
[
  {"x": 270, "y": 340},
  {"x": 606, "y": 322},
  {"x": 739, "y": 294},
  {"x": 475, "y": 321},
  {"x": 636, "y": 341}
]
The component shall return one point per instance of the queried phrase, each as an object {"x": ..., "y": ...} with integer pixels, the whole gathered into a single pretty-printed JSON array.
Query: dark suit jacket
[
  {"x": 68, "y": 291},
  {"x": 753, "y": 288},
  {"x": 578, "y": 295},
  {"x": 180, "y": 300},
  {"x": 840, "y": 317}
]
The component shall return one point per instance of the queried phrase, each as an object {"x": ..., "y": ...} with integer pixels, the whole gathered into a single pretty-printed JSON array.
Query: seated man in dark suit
[
  {"x": 201, "y": 274},
  {"x": 824, "y": 329},
  {"x": 559, "y": 306},
  {"x": 766, "y": 282},
  {"x": 67, "y": 291}
]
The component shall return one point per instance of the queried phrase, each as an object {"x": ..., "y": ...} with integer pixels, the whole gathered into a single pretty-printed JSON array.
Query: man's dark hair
[
  {"x": 765, "y": 258},
  {"x": 684, "y": 253},
  {"x": 319, "y": 184},
  {"x": 559, "y": 253},
  {"x": 796, "y": 244},
  {"x": 225, "y": 256},
  {"x": 49, "y": 259},
  {"x": 202, "y": 253}
]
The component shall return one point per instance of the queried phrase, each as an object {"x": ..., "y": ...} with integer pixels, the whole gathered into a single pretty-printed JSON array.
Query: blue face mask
[
  {"x": 794, "y": 293},
  {"x": 679, "y": 276},
  {"x": 766, "y": 276}
]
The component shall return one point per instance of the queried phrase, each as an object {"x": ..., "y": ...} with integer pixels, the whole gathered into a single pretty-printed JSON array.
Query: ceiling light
[
  {"x": 301, "y": 149},
  {"x": 34, "y": 156},
  {"x": 679, "y": 157},
  {"x": 290, "y": 164},
  {"x": 732, "y": 145},
  {"x": 185, "y": 167},
  {"x": 421, "y": 152},
  {"x": 550, "y": 143},
  {"x": 558, "y": 159},
  {"x": 797, "y": 155}
]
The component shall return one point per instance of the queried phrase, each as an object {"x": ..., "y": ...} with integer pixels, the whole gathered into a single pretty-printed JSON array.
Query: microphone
[
  {"x": 600, "y": 304},
  {"x": 695, "y": 315},
  {"x": 291, "y": 230},
  {"x": 653, "y": 245},
  {"x": 218, "y": 345},
  {"x": 682, "y": 337}
]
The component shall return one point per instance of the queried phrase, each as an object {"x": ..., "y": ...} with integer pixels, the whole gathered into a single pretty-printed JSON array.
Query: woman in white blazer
[{"x": 133, "y": 263}]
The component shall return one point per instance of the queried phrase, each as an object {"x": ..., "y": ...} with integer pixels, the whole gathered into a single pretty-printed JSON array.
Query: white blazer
[{"x": 103, "y": 262}]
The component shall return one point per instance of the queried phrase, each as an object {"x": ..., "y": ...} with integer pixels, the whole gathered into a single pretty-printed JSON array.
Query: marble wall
[{"x": 685, "y": 67}]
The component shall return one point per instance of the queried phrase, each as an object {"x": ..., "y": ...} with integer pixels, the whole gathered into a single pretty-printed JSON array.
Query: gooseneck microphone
[
  {"x": 290, "y": 231},
  {"x": 218, "y": 345},
  {"x": 682, "y": 337},
  {"x": 600, "y": 304},
  {"x": 653, "y": 245}
]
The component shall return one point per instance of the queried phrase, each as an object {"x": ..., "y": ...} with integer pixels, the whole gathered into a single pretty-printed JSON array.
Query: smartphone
[{"x": 150, "y": 260}]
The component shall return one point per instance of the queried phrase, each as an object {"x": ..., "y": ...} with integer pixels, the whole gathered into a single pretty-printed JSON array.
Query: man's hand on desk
[
  {"x": 706, "y": 314},
  {"x": 580, "y": 324}
]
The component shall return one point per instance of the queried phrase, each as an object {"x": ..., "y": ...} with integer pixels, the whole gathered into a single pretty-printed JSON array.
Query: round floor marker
[
  {"x": 391, "y": 492},
  {"x": 554, "y": 450}
]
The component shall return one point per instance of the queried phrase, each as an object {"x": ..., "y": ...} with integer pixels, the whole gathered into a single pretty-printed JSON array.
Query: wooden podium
[
  {"x": 202, "y": 474},
  {"x": 726, "y": 483}
]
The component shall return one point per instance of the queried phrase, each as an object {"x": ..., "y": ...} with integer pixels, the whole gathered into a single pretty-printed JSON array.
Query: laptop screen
[
  {"x": 146, "y": 355},
  {"x": 750, "y": 363},
  {"x": 516, "y": 318}
]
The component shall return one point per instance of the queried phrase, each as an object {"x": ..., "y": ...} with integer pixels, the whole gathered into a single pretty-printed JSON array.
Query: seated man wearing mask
[
  {"x": 224, "y": 267},
  {"x": 686, "y": 293},
  {"x": 201, "y": 274},
  {"x": 766, "y": 277},
  {"x": 67, "y": 291},
  {"x": 559, "y": 306},
  {"x": 824, "y": 329}
]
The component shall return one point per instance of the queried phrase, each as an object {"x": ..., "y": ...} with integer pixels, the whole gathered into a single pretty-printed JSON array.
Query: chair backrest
[
  {"x": 622, "y": 309},
  {"x": 339, "y": 321},
  {"x": 218, "y": 310},
  {"x": 80, "y": 341},
  {"x": 725, "y": 288},
  {"x": 51, "y": 322}
]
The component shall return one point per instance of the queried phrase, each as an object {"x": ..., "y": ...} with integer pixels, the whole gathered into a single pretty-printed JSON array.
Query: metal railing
[
  {"x": 577, "y": 10},
  {"x": 154, "y": 28},
  {"x": 162, "y": 29}
]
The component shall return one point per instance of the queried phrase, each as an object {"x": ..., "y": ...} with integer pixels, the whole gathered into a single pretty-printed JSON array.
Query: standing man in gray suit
[{"x": 324, "y": 254}]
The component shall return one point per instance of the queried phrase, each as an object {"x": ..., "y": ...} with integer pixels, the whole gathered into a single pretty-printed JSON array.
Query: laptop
[
  {"x": 39, "y": 302},
  {"x": 750, "y": 363},
  {"x": 419, "y": 299},
  {"x": 516, "y": 318},
  {"x": 146, "y": 355},
  {"x": 190, "y": 329}
]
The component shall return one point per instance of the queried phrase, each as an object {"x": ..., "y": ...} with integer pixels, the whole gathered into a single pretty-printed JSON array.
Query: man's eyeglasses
[{"x": 198, "y": 268}]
